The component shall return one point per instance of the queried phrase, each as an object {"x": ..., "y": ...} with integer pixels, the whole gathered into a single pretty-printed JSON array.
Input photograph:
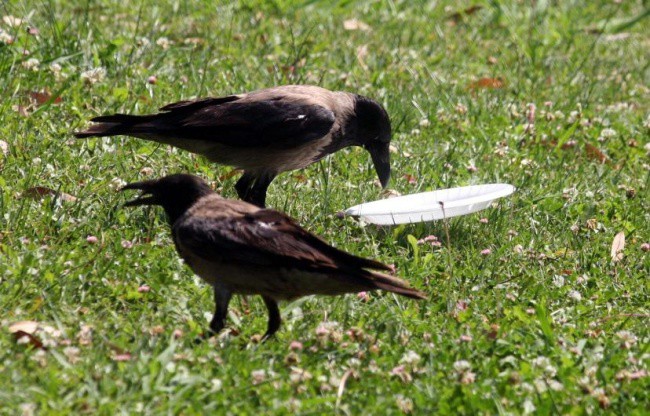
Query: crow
[
  {"x": 240, "y": 248},
  {"x": 263, "y": 132}
]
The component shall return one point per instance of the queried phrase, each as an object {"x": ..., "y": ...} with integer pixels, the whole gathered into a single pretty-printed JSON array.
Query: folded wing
[
  {"x": 271, "y": 239},
  {"x": 279, "y": 122}
]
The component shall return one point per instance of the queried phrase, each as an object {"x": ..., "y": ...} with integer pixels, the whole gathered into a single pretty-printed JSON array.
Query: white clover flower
[
  {"x": 57, "y": 70},
  {"x": 545, "y": 364},
  {"x": 258, "y": 376},
  {"x": 575, "y": 295},
  {"x": 28, "y": 409},
  {"x": 94, "y": 75},
  {"x": 12, "y": 21},
  {"x": 404, "y": 404},
  {"x": 468, "y": 377},
  {"x": 6, "y": 38},
  {"x": 142, "y": 41},
  {"x": 529, "y": 407},
  {"x": 526, "y": 162},
  {"x": 72, "y": 353},
  {"x": 461, "y": 366},
  {"x": 608, "y": 133},
  {"x": 217, "y": 384},
  {"x": 116, "y": 183},
  {"x": 558, "y": 280},
  {"x": 540, "y": 385},
  {"x": 31, "y": 64},
  {"x": 627, "y": 337},
  {"x": 163, "y": 42},
  {"x": 410, "y": 358}
]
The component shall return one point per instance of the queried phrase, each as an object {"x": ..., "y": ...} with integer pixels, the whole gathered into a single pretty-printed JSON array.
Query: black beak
[
  {"x": 146, "y": 198},
  {"x": 380, "y": 154}
]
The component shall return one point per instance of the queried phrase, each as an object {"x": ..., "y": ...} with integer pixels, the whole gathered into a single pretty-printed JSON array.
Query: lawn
[{"x": 536, "y": 305}]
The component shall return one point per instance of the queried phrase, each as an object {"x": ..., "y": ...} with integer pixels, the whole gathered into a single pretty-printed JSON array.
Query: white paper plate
[{"x": 426, "y": 206}]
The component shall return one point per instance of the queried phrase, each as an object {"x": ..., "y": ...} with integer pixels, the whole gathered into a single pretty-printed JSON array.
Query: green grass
[{"x": 545, "y": 321}]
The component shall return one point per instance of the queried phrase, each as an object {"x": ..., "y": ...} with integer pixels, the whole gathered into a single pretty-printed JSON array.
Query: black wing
[
  {"x": 265, "y": 238},
  {"x": 274, "y": 122}
]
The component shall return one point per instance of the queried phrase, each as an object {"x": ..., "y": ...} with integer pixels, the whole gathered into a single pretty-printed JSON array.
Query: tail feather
[
  {"x": 100, "y": 130},
  {"x": 113, "y": 125},
  {"x": 120, "y": 118},
  {"x": 394, "y": 284}
]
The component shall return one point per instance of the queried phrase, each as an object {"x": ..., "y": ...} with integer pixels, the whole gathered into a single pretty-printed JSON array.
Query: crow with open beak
[
  {"x": 263, "y": 132},
  {"x": 240, "y": 248}
]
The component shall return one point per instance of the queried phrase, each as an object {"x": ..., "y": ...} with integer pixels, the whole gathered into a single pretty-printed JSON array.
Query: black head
[
  {"x": 374, "y": 134},
  {"x": 175, "y": 193}
]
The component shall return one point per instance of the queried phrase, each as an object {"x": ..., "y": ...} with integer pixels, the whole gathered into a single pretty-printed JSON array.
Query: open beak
[
  {"x": 380, "y": 154},
  {"x": 146, "y": 198}
]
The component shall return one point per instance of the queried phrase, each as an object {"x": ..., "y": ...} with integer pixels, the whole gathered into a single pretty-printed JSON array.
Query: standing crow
[
  {"x": 238, "y": 247},
  {"x": 263, "y": 132}
]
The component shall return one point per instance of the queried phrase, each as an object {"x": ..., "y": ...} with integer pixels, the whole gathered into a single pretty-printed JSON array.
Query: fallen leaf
[
  {"x": 300, "y": 177},
  {"x": 229, "y": 174},
  {"x": 595, "y": 153},
  {"x": 355, "y": 24},
  {"x": 21, "y": 110},
  {"x": 362, "y": 52},
  {"x": 616, "y": 37},
  {"x": 26, "y": 330},
  {"x": 42, "y": 97},
  {"x": 38, "y": 192},
  {"x": 28, "y": 327},
  {"x": 193, "y": 41},
  {"x": 410, "y": 179},
  {"x": 487, "y": 83},
  {"x": 618, "y": 244},
  {"x": 457, "y": 16}
]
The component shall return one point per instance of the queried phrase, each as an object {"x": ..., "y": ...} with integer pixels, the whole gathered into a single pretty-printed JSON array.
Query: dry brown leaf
[
  {"x": 229, "y": 174},
  {"x": 42, "y": 97},
  {"x": 38, "y": 192},
  {"x": 595, "y": 153},
  {"x": 193, "y": 41},
  {"x": 300, "y": 177},
  {"x": 22, "y": 110},
  {"x": 26, "y": 329},
  {"x": 355, "y": 24},
  {"x": 362, "y": 52},
  {"x": 487, "y": 83},
  {"x": 457, "y": 16},
  {"x": 411, "y": 179},
  {"x": 618, "y": 244}
]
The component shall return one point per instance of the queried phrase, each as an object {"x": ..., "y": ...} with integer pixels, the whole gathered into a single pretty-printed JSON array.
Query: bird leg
[
  {"x": 274, "y": 317},
  {"x": 257, "y": 194},
  {"x": 252, "y": 188},
  {"x": 221, "y": 299},
  {"x": 244, "y": 185}
]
